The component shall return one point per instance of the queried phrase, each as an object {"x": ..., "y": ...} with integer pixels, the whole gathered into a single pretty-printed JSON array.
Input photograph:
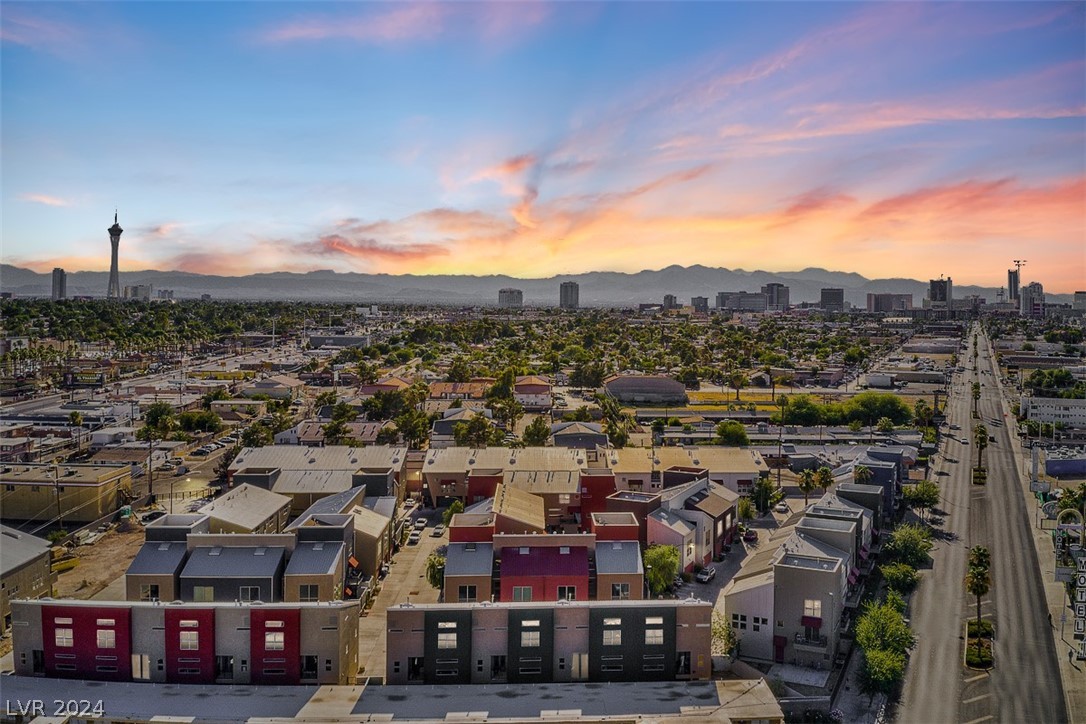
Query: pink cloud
[
  {"x": 44, "y": 199},
  {"x": 401, "y": 22}
]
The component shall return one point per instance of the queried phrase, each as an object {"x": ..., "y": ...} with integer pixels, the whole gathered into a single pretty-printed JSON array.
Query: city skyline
[{"x": 889, "y": 139}]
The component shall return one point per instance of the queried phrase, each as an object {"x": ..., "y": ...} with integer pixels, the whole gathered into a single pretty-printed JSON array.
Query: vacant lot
[{"x": 100, "y": 563}]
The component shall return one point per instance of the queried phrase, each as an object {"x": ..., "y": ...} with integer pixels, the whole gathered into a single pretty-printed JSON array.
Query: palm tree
[
  {"x": 862, "y": 474},
  {"x": 976, "y": 397},
  {"x": 737, "y": 381},
  {"x": 977, "y": 582},
  {"x": 807, "y": 483},
  {"x": 980, "y": 438},
  {"x": 979, "y": 557},
  {"x": 824, "y": 476},
  {"x": 75, "y": 419}
]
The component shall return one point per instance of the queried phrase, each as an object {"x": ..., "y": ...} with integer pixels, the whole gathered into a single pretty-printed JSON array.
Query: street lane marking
[
  {"x": 978, "y": 677},
  {"x": 978, "y": 721},
  {"x": 977, "y": 698}
]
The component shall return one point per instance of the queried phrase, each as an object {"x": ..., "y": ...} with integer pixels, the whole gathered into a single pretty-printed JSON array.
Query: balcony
[{"x": 815, "y": 644}]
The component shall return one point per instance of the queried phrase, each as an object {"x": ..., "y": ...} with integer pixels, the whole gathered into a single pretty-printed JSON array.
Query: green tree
[
  {"x": 459, "y": 371},
  {"x": 881, "y": 626},
  {"x": 862, "y": 474},
  {"x": 824, "y": 476},
  {"x": 203, "y": 420},
  {"x": 762, "y": 494},
  {"x": 75, "y": 419},
  {"x": 882, "y": 672},
  {"x": 722, "y": 637},
  {"x": 980, "y": 439},
  {"x": 807, "y": 484},
  {"x": 731, "y": 433},
  {"x": 455, "y": 507},
  {"x": 745, "y": 508},
  {"x": 923, "y": 496},
  {"x": 160, "y": 418},
  {"x": 414, "y": 426},
  {"x": 737, "y": 381},
  {"x": 884, "y": 425},
  {"x": 258, "y": 435},
  {"x": 435, "y": 570},
  {"x": 335, "y": 432},
  {"x": 979, "y": 557},
  {"x": 478, "y": 432},
  {"x": 900, "y": 576},
  {"x": 978, "y": 580},
  {"x": 537, "y": 432},
  {"x": 219, "y": 393},
  {"x": 222, "y": 468},
  {"x": 325, "y": 399},
  {"x": 976, "y": 397},
  {"x": 910, "y": 544},
  {"x": 661, "y": 566}
]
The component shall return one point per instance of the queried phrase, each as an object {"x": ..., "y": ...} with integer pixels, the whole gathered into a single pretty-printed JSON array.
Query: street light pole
[{"x": 56, "y": 487}]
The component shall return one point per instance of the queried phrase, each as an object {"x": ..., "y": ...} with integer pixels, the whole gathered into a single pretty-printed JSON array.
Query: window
[
  {"x": 106, "y": 669},
  {"x": 273, "y": 641},
  {"x": 466, "y": 594},
  {"x": 107, "y": 639},
  {"x": 190, "y": 640},
  {"x": 563, "y": 498},
  {"x": 249, "y": 593},
  {"x": 611, "y": 667},
  {"x": 739, "y": 621},
  {"x": 308, "y": 592},
  {"x": 446, "y": 640},
  {"x": 106, "y": 622},
  {"x": 612, "y": 622},
  {"x": 148, "y": 592},
  {"x": 812, "y": 607},
  {"x": 203, "y": 594},
  {"x": 654, "y": 621},
  {"x": 757, "y": 623},
  {"x": 567, "y": 593},
  {"x": 529, "y": 638},
  {"x": 612, "y": 637},
  {"x": 620, "y": 591},
  {"x": 63, "y": 637},
  {"x": 522, "y": 593},
  {"x": 654, "y": 637}
]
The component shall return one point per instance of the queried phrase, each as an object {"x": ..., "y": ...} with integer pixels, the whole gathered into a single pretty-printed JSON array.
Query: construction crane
[{"x": 1018, "y": 265}]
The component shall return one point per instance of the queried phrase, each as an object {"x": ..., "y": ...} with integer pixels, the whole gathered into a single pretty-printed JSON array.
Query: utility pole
[{"x": 56, "y": 487}]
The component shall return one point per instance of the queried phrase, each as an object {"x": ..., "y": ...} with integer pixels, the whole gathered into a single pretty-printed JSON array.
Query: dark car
[
  {"x": 152, "y": 516},
  {"x": 750, "y": 535}
]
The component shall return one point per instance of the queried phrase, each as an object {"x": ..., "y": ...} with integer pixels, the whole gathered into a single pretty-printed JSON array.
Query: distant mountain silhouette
[{"x": 597, "y": 288}]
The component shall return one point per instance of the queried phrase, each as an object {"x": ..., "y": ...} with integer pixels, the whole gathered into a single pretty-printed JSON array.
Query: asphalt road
[{"x": 1025, "y": 684}]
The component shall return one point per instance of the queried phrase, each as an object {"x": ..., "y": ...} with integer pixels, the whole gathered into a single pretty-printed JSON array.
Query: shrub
[
  {"x": 984, "y": 630},
  {"x": 900, "y": 577}
]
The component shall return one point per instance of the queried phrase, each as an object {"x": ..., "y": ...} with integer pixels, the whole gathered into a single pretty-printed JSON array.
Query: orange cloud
[{"x": 44, "y": 199}]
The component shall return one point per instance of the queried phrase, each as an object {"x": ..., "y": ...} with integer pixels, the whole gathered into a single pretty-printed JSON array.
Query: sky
[{"x": 537, "y": 139}]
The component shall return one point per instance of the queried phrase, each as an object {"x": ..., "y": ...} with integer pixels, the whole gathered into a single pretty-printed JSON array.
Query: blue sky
[{"x": 892, "y": 139}]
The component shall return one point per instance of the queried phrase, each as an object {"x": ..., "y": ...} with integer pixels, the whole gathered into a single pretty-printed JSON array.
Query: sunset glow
[{"x": 888, "y": 139}]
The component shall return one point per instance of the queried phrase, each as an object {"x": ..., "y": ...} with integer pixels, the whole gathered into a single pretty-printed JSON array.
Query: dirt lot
[{"x": 100, "y": 563}]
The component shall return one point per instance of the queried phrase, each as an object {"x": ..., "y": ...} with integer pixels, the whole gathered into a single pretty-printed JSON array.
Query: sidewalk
[{"x": 1072, "y": 675}]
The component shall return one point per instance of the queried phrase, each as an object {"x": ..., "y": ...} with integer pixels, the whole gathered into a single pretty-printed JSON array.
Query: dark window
[
  {"x": 309, "y": 667},
  {"x": 415, "y": 668},
  {"x": 466, "y": 594},
  {"x": 682, "y": 666}
]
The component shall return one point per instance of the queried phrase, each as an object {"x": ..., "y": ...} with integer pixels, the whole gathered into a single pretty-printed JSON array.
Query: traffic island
[{"x": 978, "y": 645}]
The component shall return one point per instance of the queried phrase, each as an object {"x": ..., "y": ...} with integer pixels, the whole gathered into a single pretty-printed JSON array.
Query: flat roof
[
  {"x": 36, "y": 474},
  {"x": 329, "y": 457},
  {"x": 613, "y": 557},
  {"x": 469, "y": 559}
]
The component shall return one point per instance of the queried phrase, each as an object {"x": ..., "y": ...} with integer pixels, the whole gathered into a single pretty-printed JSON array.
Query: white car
[{"x": 782, "y": 507}]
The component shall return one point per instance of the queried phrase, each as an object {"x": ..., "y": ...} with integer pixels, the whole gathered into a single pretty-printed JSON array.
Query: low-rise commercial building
[
  {"x": 279, "y": 644},
  {"x": 25, "y": 570},
  {"x": 63, "y": 493},
  {"x": 481, "y": 643}
]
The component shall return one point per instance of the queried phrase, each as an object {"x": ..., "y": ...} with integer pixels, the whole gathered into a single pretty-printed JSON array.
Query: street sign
[{"x": 1039, "y": 486}]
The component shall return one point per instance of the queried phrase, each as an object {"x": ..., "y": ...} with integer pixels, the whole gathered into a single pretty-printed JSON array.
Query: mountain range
[{"x": 615, "y": 289}]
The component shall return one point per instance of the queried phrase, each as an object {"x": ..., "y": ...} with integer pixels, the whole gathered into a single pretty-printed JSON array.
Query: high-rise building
[
  {"x": 776, "y": 297},
  {"x": 510, "y": 298},
  {"x": 741, "y": 301},
  {"x": 833, "y": 299},
  {"x": 1079, "y": 301},
  {"x": 115, "y": 231},
  {"x": 700, "y": 304},
  {"x": 60, "y": 284},
  {"x": 889, "y": 302},
  {"x": 1012, "y": 285},
  {"x": 569, "y": 295},
  {"x": 1031, "y": 300},
  {"x": 139, "y": 292},
  {"x": 670, "y": 302},
  {"x": 941, "y": 293}
]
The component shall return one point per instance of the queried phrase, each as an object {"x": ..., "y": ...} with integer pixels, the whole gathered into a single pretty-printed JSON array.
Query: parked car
[
  {"x": 750, "y": 535},
  {"x": 420, "y": 523},
  {"x": 706, "y": 574},
  {"x": 438, "y": 530},
  {"x": 152, "y": 516},
  {"x": 678, "y": 582},
  {"x": 414, "y": 538},
  {"x": 782, "y": 507}
]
